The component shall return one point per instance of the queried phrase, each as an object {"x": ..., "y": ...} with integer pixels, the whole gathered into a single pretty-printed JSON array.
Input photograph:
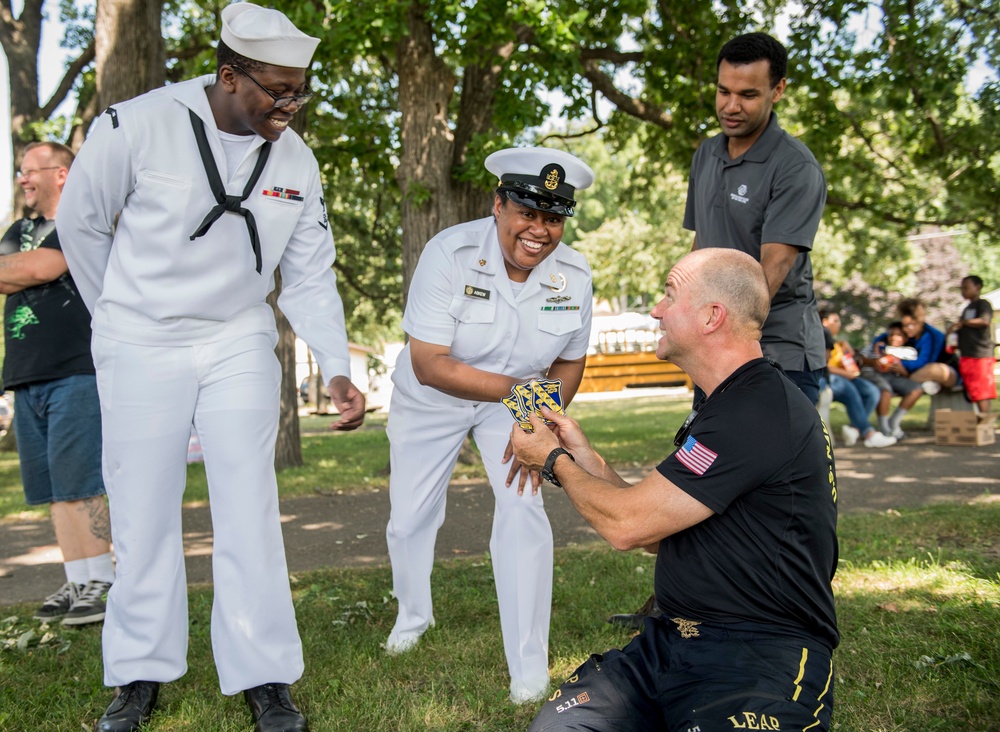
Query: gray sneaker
[
  {"x": 58, "y": 603},
  {"x": 90, "y": 605}
]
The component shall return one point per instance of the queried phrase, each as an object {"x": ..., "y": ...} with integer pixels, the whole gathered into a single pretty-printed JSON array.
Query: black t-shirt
[
  {"x": 976, "y": 342},
  {"x": 759, "y": 457},
  {"x": 46, "y": 327}
]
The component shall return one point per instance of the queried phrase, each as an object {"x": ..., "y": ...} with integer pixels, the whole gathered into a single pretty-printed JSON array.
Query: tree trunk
[
  {"x": 432, "y": 200},
  {"x": 20, "y": 39},
  {"x": 288, "y": 447},
  {"x": 131, "y": 58},
  {"x": 87, "y": 109}
]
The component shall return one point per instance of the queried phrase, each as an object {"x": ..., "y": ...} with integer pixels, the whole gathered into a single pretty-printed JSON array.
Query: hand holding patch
[{"x": 531, "y": 397}]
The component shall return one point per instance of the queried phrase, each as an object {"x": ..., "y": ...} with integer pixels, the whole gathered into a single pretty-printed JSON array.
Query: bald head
[{"x": 736, "y": 280}]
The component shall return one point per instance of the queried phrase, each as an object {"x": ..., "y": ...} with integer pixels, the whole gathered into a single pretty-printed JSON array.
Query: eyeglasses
[
  {"x": 27, "y": 172},
  {"x": 279, "y": 102}
]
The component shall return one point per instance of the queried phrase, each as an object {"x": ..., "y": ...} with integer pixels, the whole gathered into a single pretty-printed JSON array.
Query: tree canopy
[{"x": 413, "y": 95}]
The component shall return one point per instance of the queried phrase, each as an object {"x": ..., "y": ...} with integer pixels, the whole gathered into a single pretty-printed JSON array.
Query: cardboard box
[{"x": 963, "y": 428}]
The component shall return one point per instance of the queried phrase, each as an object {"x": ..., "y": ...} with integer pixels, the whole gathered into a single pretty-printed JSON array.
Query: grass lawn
[{"x": 918, "y": 598}]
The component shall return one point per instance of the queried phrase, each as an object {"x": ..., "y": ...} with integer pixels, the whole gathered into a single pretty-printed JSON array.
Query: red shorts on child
[{"x": 977, "y": 375}]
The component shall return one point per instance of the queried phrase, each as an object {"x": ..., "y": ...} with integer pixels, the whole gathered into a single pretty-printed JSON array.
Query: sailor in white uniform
[
  {"x": 214, "y": 193},
  {"x": 493, "y": 303}
]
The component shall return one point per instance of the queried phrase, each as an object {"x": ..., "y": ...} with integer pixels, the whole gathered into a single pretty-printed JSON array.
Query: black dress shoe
[
  {"x": 273, "y": 710},
  {"x": 130, "y": 708},
  {"x": 634, "y": 620}
]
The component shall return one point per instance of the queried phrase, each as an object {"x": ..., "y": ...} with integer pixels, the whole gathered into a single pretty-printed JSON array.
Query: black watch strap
[{"x": 550, "y": 462}]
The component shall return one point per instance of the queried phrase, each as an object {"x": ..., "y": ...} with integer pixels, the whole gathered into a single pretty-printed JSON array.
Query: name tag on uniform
[{"x": 477, "y": 292}]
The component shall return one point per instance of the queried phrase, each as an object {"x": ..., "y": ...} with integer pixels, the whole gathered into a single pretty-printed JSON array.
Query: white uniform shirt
[
  {"x": 147, "y": 282},
  {"x": 461, "y": 297}
]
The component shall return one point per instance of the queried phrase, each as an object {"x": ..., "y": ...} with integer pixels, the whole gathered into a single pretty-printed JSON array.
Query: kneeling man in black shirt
[{"x": 742, "y": 517}]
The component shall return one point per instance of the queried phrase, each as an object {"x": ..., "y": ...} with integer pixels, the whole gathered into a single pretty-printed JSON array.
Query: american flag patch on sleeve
[{"x": 695, "y": 456}]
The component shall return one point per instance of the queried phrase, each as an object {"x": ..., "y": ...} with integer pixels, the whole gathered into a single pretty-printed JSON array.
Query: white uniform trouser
[
  {"x": 149, "y": 397},
  {"x": 424, "y": 442}
]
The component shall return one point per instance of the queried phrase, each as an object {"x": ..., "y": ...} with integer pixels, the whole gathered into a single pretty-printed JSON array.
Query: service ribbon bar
[{"x": 290, "y": 194}]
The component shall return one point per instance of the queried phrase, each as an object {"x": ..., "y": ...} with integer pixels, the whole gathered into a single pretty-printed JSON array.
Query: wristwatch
[{"x": 550, "y": 462}]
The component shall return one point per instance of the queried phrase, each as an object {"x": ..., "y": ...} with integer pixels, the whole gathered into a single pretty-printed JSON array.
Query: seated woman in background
[
  {"x": 929, "y": 367},
  {"x": 876, "y": 366}
]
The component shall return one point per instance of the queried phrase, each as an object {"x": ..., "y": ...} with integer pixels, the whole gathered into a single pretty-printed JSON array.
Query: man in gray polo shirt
[{"x": 758, "y": 189}]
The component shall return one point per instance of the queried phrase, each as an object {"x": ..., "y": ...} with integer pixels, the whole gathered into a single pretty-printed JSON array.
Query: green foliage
[
  {"x": 885, "y": 109},
  {"x": 78, "y": 24},
  {"x": 629, "y": 225},
  {"x": 877, "y": 91}
]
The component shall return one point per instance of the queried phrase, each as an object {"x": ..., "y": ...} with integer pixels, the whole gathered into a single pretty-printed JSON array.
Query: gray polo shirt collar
[{"x": 759, "y": 152}]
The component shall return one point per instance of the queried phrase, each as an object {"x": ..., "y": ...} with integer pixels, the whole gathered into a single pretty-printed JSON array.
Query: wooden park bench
[{"x": 617, "y": 371}]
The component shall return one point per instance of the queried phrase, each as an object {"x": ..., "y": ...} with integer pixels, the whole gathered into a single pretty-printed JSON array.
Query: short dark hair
[
  {"x": 895, "y": 325},
  {"x": 825, "y": 313},
  {"x": 224, "y": 55},
  {"x": 60, "y": 153},
  {"x": 975, "y": 280},
  {"x": 751, "y": 47},
  {"x": 907, "y": 308}
]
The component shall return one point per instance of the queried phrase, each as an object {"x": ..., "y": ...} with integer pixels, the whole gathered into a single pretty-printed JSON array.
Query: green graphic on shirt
[
  {"x": 28, "y": 242},
  {"x": 23, "y": 316}
]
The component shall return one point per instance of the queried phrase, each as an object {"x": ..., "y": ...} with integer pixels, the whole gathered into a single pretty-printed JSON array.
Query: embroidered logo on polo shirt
[
  {"x": 286, "y": 193},
  {"x": 741, "y": 194}
]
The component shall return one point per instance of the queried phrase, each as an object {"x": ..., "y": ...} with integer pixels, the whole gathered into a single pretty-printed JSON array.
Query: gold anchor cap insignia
[
  {"x": 552, "y": 179},
  {"x": 482, "y": 262}
]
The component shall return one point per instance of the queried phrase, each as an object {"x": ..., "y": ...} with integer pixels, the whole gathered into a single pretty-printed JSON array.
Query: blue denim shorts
[{"x": 58, "y": 428}]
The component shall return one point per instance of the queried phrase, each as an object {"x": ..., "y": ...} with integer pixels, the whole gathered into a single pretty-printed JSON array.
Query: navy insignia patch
[{"x": 325, "y": 221}]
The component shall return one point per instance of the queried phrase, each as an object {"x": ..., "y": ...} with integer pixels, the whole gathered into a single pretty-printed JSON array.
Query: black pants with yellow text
[{"x": 682, "y": 676}]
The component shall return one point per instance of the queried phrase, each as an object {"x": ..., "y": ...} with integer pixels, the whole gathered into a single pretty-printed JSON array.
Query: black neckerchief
[{"x": 226, "y": 202}]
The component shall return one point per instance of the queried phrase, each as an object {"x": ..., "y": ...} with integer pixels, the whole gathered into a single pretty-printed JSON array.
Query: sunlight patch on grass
[{"x": 936, "y": 582}]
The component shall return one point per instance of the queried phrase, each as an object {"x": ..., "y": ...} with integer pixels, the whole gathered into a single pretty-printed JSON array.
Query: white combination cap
[
  {"x": 266, "y": 35},
  {"x": 541, "y": 178}
]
